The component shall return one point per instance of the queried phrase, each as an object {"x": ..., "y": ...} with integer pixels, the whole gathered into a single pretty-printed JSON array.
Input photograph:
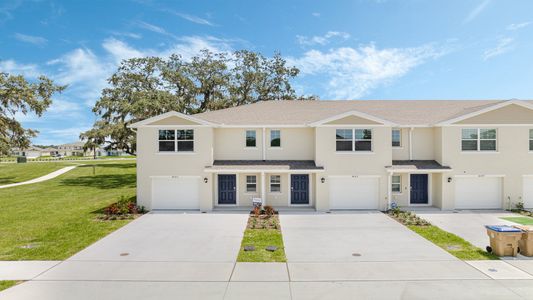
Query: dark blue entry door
[
  {"x": 299, "y": 189},
  {"x": 227, "y": 192},
  {"x": 419, "y": 189}
]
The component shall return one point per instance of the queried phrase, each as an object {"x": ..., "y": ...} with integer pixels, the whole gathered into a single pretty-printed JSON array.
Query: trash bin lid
[
  {"x": 525, "y": 228},
  {"x": 502, "y": 228}
]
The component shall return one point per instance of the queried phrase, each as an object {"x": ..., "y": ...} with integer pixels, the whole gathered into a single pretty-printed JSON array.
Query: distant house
[
  {"x": 30, "y": 152},
  {"x": 73, "y": 149}
]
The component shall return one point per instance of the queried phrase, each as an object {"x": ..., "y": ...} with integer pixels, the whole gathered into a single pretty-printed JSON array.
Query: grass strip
[
  {"x": 450, "y": 242},
  {"x": 5, "y": 284},
  {"x": 519, "y": 220},
  {"x": 262, "y": 231},
  {"x": 453, "y": 244}
]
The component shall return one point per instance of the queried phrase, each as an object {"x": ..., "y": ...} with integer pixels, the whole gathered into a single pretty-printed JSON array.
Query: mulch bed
[{"x": 263, "y": 222}]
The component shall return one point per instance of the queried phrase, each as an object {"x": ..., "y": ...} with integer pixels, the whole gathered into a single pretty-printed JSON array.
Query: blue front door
[
  {"x": 227, "y": 192},
  {"x": 299, "y": 189},
  {"x": 419, "y": 189}
]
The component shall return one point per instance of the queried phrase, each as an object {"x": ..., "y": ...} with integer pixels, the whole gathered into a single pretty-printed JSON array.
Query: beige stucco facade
[{"x": 512, "y": 160}]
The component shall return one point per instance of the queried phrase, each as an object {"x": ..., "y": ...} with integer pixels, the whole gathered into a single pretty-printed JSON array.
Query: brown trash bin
[
  {"x": 504, "y": 239},
  {"x": 526, "y": 243}
]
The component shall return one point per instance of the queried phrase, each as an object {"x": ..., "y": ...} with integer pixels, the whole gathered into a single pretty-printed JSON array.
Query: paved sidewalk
[
  {"x": 192, "y": 256},
  {"x": 24, "y": 270},
  {"x": 42, "y": 178}
]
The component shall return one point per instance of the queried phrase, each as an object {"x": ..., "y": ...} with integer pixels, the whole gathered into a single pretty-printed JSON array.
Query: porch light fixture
[
  {"x": 205, "y": 179},
  {"x": 322, "y": 179},
  {"x": 449, "y": 179}
]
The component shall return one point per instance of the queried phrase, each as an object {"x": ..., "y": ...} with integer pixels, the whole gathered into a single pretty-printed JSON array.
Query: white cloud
[
  {"x": 321, "y": 39},
  {"x": 194, "y": 19},
  {"x": 518, "y": 25},
  {"x": 476, "y": 11},
  {"x": 504, "y": 45},
  {"x": 127, "y": 34},
  {"x": 152, "y": 27},
  {"x": 12, "y": 67},
  {"x": 120, "y": 50},
  {"x": 354, "y": 72},
  {"x": 36, "y": 40},
  {"x": 315, "y": 14}
]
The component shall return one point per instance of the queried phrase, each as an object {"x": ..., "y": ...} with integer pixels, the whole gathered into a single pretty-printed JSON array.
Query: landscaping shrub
[
  {"x": 124, "y": 208},
  {"x": 269, "y": 210},
  {"x": 407, "y": 218}
]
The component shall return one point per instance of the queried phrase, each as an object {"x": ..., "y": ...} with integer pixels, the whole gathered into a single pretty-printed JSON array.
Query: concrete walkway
[{"x": 42, "y": 178}]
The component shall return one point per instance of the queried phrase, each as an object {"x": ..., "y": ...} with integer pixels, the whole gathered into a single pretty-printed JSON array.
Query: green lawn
[
  {"x": 7, "y": 284},
  {"x": 261, "y": 238},
  {"x": 54, "y": 219},
  {"x": 13, "y": 173},
  {"x": 455, "y": 245},
  {"x": 520, "y": 220}
]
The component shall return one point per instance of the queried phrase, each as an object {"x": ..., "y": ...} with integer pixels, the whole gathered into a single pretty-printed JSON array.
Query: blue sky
[{"x": 364, "y": 49}]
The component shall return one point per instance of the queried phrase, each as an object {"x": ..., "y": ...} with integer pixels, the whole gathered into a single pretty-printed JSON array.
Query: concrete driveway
[
  {"x": 336, "y": 237},
  {"x": 468, "y": 224}
]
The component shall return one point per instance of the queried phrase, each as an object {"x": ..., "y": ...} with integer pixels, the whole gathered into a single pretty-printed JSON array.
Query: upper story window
[
  {"x": 396, "y": 138},
  {"x": 181, "y": 140},
  {"x": 531, "y": 140},
  {"x": 478, "y": 139},
  {"x": 275, "y": 138},
  {"x": 251, "y": 140},
  {"x": 353, "y": 140}
]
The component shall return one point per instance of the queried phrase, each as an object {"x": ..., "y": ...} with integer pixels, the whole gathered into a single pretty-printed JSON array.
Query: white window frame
[
  {"x": 246, "y": 138},
  {"x": 270, "y": 142},
  {"x": 354, "y": 140},
  {"x": 251, "y": 183},
  {"x": 479, "y": 139},
  {"x": 400, "y": 135},
  {"x": 176, "y": 141},
  {"x": 275, "y": 183},
  {"x": 399, "y": 184}
]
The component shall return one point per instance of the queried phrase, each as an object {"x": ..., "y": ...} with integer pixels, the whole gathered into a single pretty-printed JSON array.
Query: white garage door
[
  {"x": 527, "y": 194},
  {"x": 478, "y": 192},
  {"x": 353, "y": 193},
  {"x": 175, "y": 193}
]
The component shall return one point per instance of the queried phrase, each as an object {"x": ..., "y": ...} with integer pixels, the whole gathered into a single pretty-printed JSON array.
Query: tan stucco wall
[
  {"x": 511, "y": 114},
  {"x": 402, "y": 198},
  {"x": 423, "y": 144},
  {"x": 152, "y": 163},
  {"x": 173, "y": 121},
  {"x": 353, "y": 120},
  {"x": 512, "y": 159},
  {"x": 296, "y": 143},
  {"x": 352, "y": 163}
]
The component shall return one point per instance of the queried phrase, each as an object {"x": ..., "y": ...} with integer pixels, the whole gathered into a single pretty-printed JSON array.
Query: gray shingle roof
[
  {"x": 418, "y": 165},
  {"x": 288, "y": 164},
  {"x": 402, "y": 112}
]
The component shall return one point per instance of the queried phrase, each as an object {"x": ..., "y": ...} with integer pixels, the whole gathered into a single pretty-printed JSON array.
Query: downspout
[
  {"x": 389, "y": 190},
  {"x": 264, "y": 143},
  {"x": 411, "y": 143}
]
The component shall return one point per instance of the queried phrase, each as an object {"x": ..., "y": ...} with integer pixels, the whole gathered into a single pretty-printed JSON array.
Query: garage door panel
[
  {"x": 354, "y": 193},
  {"x": 175, "y": 193},
  {"x": 527, "y": 194},
  {"x": 478, "y": 193}
]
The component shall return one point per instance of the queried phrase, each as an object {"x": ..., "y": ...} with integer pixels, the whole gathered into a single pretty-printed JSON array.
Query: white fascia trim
[
  {"x": 353, "y": 113},
  {"x": 232, "y": 171},
  {"x": 420, "y": 171},
  {"x": 479, "y": 175},
  {"x": 487, "y": 125},
  {"x": 355, "y": 176},
  {"x": 175, "y": 176},
  {"x": 145, "y": 122},
  {"x": 261, "y": 126},
  {"x": 485, "y": 110}
]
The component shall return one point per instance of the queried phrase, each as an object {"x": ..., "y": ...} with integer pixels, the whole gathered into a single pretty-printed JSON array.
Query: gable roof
[
  {"x": 486, "y": 109},
  {"x": 169, "y": 114},
  {"x": 308, "y": 112}
]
